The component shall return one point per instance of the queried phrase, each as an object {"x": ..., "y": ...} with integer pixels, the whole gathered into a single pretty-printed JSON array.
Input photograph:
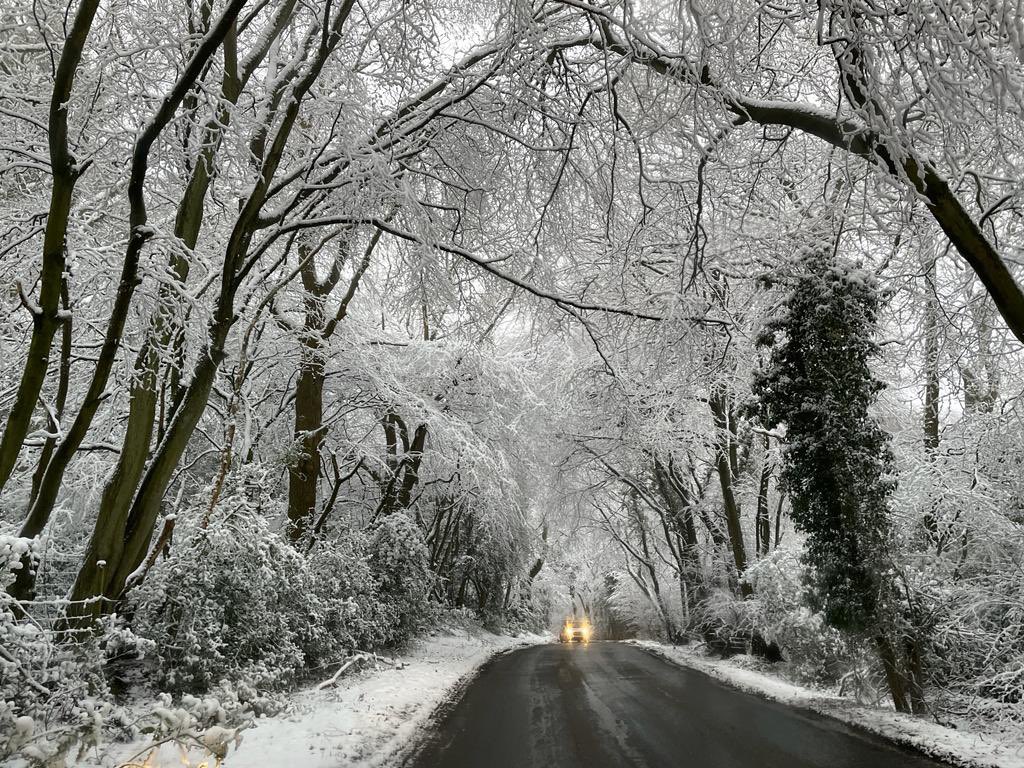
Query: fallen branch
[{"x": 352, "y": 661}]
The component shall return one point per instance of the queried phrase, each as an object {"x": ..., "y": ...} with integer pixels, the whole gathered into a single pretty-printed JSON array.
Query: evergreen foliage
[{"x": 837, "y": 461}]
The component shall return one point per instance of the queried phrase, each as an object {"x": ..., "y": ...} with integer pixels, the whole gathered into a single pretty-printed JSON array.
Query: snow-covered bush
[
  {"x": 210, "y": 724},
  {"x": 976, "y": 654},
  {"x": 725, "y": 623},
  {"x": 345, "y": 607},
  {"x": 400, "y": 562},
  {"x": 779, "y": 612},
  {"x": 53, "y": 695},
  {"x": 528, "y": 609},
  {"x": 227, "y": 601},
  {"x": 236, "y": 601}
]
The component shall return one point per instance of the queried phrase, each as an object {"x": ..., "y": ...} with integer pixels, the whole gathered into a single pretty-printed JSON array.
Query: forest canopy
[{"x": 324, "y": 320}]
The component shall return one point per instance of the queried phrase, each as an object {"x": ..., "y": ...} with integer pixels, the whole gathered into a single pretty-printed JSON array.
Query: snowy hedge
[{"x": 236, "y": 600}]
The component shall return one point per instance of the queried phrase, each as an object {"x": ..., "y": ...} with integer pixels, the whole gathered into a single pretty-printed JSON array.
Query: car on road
[{"x": 575, "y": 631}]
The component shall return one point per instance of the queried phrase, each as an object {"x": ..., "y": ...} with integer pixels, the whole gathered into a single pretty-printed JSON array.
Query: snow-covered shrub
[
  {"x": 779, "y": 612},
  {"x": 53, "y": 695},
  {"x": 977, "y": 650},
  {"x": 962, "y": 549},
  {"x": 235, "y": 601},
  {"x": 345, "y": 607},
  {"x": 528, "y": 609},
  {"x": 400, "y": 563},
  {"x": 227, "y": 602},
  {"x": 196, "y": 728},
  {"x": 725, "y": 623}
]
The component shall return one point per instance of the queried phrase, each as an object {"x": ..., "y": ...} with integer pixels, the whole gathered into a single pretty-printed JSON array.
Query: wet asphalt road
[{"x": 608, "y": 705}]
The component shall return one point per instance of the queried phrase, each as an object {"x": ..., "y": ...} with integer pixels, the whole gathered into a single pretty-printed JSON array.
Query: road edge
[
  {"x": 841, "y": 710},
  {"x": 407, "y": 754}
]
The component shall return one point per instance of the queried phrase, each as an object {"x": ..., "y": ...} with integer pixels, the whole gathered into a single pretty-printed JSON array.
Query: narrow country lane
[{"x": 608, "y": 705}]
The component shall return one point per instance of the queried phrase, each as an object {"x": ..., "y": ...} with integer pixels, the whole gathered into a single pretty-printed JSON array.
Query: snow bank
[
  {"x": 368, "y": 719},
  {"x": 961, "y": 748}
]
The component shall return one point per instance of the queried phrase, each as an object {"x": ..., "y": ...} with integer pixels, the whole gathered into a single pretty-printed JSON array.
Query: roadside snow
[
  {"x": 961, "y": 748},
  {"x": 365, "y": 719},
  {"x": 371, "y": 717}
]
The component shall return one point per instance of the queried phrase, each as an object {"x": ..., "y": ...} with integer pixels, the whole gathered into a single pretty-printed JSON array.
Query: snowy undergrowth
[
  {"x": 960, "y": 747},
  {"x": 365, "y": 719},
  {"x": 373, "y": 716}
]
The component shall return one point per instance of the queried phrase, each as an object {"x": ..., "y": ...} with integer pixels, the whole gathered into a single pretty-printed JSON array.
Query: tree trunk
[
  {"x": 64, "y": 379},
  {"x": 931, "y": 362},
  {"x": 931, "y": 383},
  {"x": 47, "y": 317},
  {"x": 893, "y": 674},
  {"x": 304, "y": 471},
  {"x": 647, "y": 562},
  {"x": 122, "y": 535},
  {"x": 539, "y": 562},
  {"x": 724, "y": 418},
  {"x": 308, "y": 427},
  {"x": 762, "y": 521},
  {"x": 139, "y": 233},
  {"x": 691, "y": 582},
  {"x": 412, "y": 460}
]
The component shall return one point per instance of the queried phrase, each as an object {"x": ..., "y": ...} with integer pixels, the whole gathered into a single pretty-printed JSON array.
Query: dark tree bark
[
  {"x": 725, "y": 424},
  {"x": 931, "y": 382},
  {"x": 139, "y": 233},
  {"x": 684, "y": 529},
  {"x": 931, "y": 361},
  {"x": 65, "y": 171},
  {"x": 60, "y": 401},
  {"x": 304, "y": 470},
  {"x": 762, "y": 520},
  {"x": 893, "y": 674},
  {"x": 128, "y": 534},
  {"x": 538, "y": 564},
  {"x": 412, "y": 460},
  {"x": 309, "y": 429}
]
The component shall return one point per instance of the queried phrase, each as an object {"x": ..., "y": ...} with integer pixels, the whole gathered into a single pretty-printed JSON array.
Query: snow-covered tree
[{"x": 837, "y": 462}]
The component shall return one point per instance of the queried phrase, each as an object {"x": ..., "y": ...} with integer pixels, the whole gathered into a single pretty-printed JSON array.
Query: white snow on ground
[
  {"x": 961, "y": 748},
  {"x": 373, "y": 716},
  {"x": 369, "y": 718}
]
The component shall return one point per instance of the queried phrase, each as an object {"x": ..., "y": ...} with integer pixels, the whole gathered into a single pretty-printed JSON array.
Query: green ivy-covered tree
[{"x": 838, "y": 466}]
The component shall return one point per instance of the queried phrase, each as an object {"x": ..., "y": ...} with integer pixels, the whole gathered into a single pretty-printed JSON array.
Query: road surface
[{"x": 609, "y": 705}]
